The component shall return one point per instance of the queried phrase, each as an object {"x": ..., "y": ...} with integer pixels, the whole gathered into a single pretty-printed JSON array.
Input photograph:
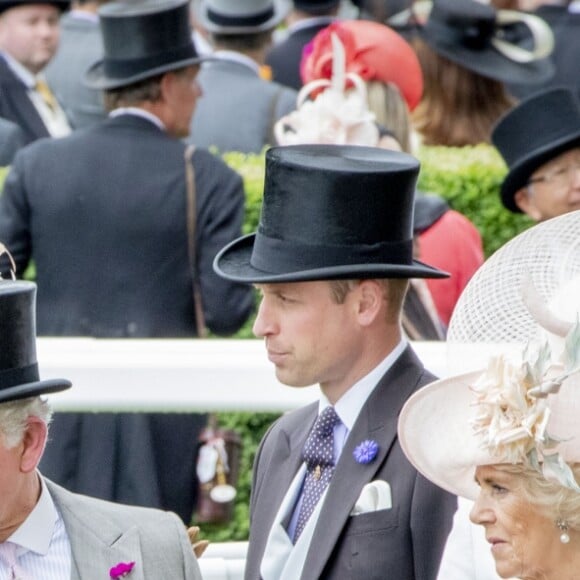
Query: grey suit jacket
[
  {"x": 403, "y": 543},
  {"x": 238, "y": 109},
  {"x": 80, "y": 46},
  {"x": 103, "y": 534},
  {"x": 11, "y": 140}
]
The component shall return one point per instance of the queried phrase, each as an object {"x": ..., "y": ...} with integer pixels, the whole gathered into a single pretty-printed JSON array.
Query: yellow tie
[{"x": 47, "y": 95}]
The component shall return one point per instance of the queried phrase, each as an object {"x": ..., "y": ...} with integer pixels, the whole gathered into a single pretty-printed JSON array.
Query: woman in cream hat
[{"x": 511, "y": 435}]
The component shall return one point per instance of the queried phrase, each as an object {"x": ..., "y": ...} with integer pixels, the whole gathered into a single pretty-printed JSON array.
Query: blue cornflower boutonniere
[{"x": 366, "y": 451}]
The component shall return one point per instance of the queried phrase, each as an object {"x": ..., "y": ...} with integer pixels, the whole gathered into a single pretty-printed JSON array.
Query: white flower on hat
[
  {"x": 336, "y": 116},
  {"x": 513, "y": 411}
]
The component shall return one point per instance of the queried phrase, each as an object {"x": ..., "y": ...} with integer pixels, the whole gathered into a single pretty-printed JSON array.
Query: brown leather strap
[{"x": 191, "y": 218}]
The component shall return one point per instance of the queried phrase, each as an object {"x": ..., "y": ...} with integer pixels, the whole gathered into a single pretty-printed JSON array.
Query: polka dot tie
[
  {"x": 8, "y": 558},
  {"x": 318, "y": 454}
]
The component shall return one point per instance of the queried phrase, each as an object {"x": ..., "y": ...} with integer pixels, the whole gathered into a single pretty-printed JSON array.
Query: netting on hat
[{"x": 491, "y": 309}]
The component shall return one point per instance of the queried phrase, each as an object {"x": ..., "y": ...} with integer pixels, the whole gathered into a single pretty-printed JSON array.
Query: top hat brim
[
  {"x": 96, "y": 77},
  {"x": 521, "y": 171},
  {"x": 491, "y": 63},
  {"x": 34, "y": 389},
  {"x": 280, "y": 10},
  {"x": 234, "y": 263}
]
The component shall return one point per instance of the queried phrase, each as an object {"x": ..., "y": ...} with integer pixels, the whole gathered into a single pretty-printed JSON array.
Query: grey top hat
[
  {"x": 19, "y": 376},
  {"x": 331, "y": 212},
  {"x": 142, "y": 39},
  {"x": 241, "y": 16},
  {"x": 540, "y": 128}
]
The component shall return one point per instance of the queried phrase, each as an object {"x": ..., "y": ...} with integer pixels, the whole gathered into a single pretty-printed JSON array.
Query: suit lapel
[
  {"x": 278, "y": 475},
  {"x": 96, "y": 543},
  {"x": 377, "y": 421}
]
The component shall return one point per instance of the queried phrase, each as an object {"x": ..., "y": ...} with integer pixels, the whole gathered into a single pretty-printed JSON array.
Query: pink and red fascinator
[{"x": 373, "y": 51}]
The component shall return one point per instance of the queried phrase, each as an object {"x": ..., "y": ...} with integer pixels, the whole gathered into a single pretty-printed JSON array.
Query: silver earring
[{"x": 563, "y": 527}]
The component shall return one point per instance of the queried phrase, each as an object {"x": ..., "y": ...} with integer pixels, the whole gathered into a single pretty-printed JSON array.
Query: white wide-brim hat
[{"x": 528, "y": 291}]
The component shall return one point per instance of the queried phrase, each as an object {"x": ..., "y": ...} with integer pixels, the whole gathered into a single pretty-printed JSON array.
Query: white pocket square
[{"x": 374, "y": 496}]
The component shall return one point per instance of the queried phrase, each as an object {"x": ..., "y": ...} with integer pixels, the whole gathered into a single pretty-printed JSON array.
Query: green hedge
[{"x": 468, "y": 178}]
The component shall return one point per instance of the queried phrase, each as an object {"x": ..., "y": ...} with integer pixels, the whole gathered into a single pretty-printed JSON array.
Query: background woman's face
[{"x": 524, "y": 542}]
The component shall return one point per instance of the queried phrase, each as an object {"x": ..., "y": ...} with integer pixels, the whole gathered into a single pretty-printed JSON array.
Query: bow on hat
[{"x": 486, "y": 40}]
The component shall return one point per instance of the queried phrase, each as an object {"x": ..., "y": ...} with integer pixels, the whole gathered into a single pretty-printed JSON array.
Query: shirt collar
[
  {"x": 349, "y": 405},
  {"x": 35, "y": 533},
  {"x": 238, "y": 57},
  {"x": 137, "y": 112},
  {"x": 84, "y": 15},
  {"x": 20, "y": 70}
]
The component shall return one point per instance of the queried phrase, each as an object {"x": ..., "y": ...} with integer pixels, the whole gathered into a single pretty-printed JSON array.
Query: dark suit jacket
[
  {"x": 403, "y": 543},
  {"x": 103, "y": 214},
  {"x": 285, "y": 57},
  {"x": 16, "y": 106}
]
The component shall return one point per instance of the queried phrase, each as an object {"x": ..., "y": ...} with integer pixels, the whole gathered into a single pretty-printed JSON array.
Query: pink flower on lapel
[{"x": 121, "y": 570}]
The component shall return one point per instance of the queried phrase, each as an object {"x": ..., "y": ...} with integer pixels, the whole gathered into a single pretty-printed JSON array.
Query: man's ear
[
  {"x": 524, "y": 200},
  {"x": 370, "y": 301},
  {"x": 33, "y": 444}
]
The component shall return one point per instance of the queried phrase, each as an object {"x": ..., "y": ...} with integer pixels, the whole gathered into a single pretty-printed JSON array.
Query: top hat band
[
  {"x": 279, "y": 256},
  {"x": 253, "y": 20},
  {"x": 19, "y": 376}
]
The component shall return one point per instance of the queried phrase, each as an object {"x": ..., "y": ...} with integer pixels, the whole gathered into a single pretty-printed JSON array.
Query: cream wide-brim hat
[
  {"x": 437, "y": 437},
  {"x": 493, "y": 316}
]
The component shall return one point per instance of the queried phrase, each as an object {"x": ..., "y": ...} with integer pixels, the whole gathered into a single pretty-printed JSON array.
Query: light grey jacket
[
  {"x": 80, "y": 46},
  {"x": 103, "y": 534},
  {"x": 238, "y": 109}
]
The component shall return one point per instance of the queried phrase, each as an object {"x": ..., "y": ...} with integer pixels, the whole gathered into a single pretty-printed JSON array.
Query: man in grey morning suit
[
  {"x": 331, "y": 257},
  {"x": 239, "y": 107},
  {"x": 51, "y": 533}
]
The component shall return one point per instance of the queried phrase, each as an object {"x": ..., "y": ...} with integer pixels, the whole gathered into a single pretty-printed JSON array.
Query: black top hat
[
  {"x": 142, "y": 39},
  {"x": 315, "y": 6},
  {"x": 330, "y": 212},
  {"x": 468, "y": 33},
  {"x": 537, "y": 130},
  {"x": 241, "y": 16},
  {"x": 19, "y": 377},
  {"x": 62, "y": 5}
]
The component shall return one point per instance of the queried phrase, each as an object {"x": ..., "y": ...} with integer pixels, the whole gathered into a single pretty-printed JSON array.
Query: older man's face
[
  {"x": 11, "y": 483},
  {"x": 30, "y": 34}
]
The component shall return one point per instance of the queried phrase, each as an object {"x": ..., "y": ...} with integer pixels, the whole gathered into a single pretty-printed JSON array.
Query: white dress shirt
[
  {"x": 138, "y": 112},
  {"x": 54, "y": 120},
  {"x": 44, "y": 551}
]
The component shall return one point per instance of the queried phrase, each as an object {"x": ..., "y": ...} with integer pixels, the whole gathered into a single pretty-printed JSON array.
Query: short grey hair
[{"x": 14, "y": 416}]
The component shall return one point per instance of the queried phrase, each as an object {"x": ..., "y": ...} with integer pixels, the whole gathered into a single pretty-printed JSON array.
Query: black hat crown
[
  {"x": 62, "y": 5},
  {"x": 142, "y": 39},
  {"x": 537, "y": 130},
  {"x": 331, "y": 212},
  {"x": 19, "y": 376},
  {"x": 466, "y": 32}
]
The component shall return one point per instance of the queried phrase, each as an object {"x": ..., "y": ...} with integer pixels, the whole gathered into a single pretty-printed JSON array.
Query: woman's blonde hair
[{"x": 554, "y": 500}]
